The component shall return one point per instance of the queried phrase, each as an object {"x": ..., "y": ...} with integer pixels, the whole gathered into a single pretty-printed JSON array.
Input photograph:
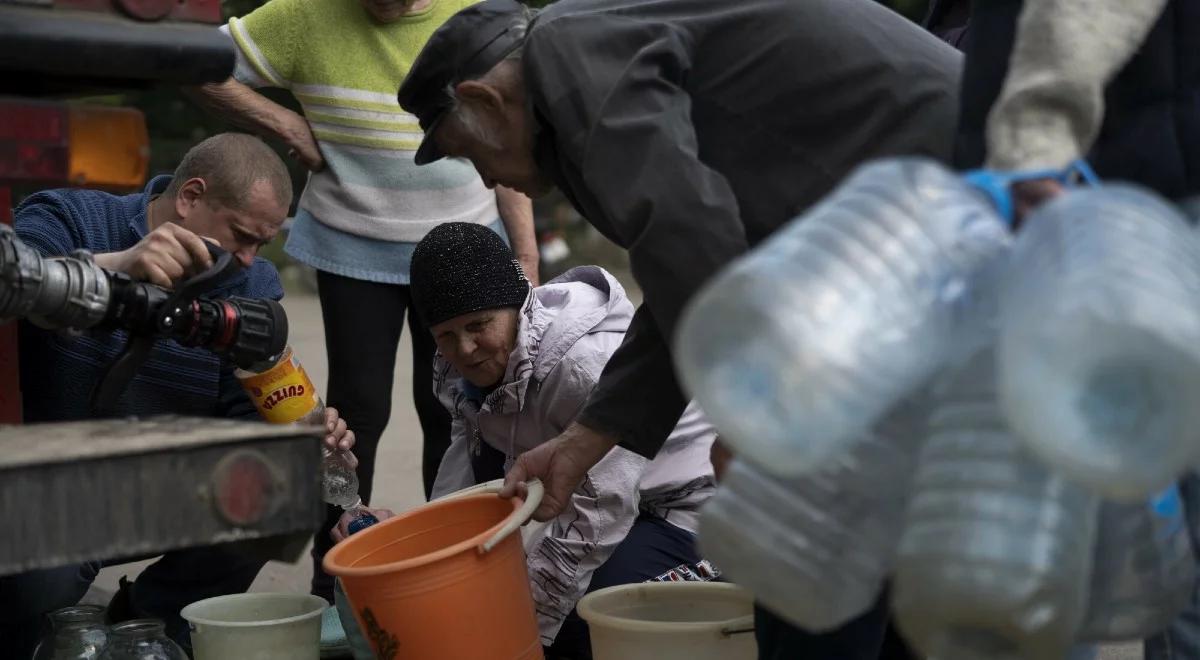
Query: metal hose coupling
[{"x": 59, "y": 292}]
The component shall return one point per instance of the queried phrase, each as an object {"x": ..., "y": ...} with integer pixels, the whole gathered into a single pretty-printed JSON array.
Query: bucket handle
[
  {"x": 739, "y": 626},
  {"x": 532, "y": 500}
]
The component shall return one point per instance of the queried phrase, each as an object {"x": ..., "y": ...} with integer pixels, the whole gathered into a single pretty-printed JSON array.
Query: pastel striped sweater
[{"x": 345, "y": 68}]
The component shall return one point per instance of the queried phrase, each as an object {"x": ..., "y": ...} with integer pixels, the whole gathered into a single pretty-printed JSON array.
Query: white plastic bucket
[
  {"x": 671, "y": 621},
  {"x": 258, "y": 626}
]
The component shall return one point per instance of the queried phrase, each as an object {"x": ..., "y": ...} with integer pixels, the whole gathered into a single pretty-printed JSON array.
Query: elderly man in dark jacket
[{"x": 686, "y": 131}]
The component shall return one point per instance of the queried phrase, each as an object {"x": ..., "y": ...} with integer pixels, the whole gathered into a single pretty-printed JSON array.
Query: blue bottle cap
[
  {"x": 998, "y": 185},
  {"x": 361, "y": 522}
]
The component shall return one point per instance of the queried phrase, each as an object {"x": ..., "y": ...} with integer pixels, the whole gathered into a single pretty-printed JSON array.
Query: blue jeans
[
  {"x": 168, "y": 585},
  {"x": 25, "y": 599},
  {"x": 1181, "y": 641}
]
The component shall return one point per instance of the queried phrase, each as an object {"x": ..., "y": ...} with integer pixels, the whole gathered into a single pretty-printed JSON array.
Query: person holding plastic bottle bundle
[
  {"x": 1117, "y": 82},
  {"x": 514, "y": 368},
  {"x": 685, "y": 135}
]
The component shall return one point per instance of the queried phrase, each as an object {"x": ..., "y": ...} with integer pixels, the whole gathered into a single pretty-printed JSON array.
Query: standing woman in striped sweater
[{"x": 366, "y": 204}]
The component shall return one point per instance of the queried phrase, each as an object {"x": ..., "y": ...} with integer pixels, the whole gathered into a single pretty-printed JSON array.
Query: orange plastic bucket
[{"x": 446, "y": 580}]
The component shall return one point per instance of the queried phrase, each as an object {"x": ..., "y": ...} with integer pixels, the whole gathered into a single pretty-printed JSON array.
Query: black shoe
[{"x": 120, "y": 608}]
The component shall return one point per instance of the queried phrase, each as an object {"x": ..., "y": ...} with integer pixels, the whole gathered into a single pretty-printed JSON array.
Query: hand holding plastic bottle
[
  {"x": 340, "y": 437},
  {"x": 1029, "y": 195},
  {"x": 350, "y": 523},
  {"x": 1017, "y": 194}
]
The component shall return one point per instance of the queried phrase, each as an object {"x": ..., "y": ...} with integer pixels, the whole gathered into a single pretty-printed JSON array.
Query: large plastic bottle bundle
[
  {"x": 1143, "y": 571},
  {"x": 995, "y": 558},
  {"x": 798, "y": 348},
  {"x": 817, "y": 548},
  {"x": 1100, "y": 340}
]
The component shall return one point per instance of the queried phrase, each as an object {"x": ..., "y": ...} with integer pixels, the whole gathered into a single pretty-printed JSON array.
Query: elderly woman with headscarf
[{"x": 515, "y": 366}]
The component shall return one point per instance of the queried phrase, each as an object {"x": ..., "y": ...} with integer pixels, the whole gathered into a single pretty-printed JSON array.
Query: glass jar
[
  {"x": 141, "y": 639},
  {"x": 76, "y": 633}
]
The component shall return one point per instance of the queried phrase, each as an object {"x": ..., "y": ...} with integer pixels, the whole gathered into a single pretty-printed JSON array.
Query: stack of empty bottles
[
  {"x": 1144, "y": 568},
  {"x": 816, "y": 548},
  {"x": 993, "y": 423},
  {"x": 843, "y": 313}
]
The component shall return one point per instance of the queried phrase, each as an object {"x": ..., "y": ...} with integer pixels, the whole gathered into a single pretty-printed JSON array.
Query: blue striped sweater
[{"x": 58, "y": 374}]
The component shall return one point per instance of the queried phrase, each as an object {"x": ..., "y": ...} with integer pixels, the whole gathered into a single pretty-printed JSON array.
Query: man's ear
[
  {"x": 481, "y": 94},
  {"x": 190, "y": 194}
]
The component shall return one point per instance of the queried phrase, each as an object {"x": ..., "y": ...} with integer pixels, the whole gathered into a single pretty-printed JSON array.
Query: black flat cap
[{"x": 468, "y": 45}]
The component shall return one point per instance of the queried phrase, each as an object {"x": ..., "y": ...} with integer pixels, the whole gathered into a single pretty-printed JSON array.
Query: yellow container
[{"x": 283, "y": 393}]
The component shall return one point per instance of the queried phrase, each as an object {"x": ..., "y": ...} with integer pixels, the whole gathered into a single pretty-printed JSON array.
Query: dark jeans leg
[
  {"x": 987, "y": 48},
  {"x": 860, "y": 639},
  {"x": 895, "y": 647},
  {"x": 27, "y": 598},
  {"x": 1181, "y": 640},
  {"x": 363, "y": 321},
  {"x": 652, "y": 547},
  {"x": 183, "y": 577},
  {"x": 435, "y": 419}
]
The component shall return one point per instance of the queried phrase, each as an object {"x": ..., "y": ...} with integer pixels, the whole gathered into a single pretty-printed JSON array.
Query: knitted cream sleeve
[{"x": 1052, "y": 102}]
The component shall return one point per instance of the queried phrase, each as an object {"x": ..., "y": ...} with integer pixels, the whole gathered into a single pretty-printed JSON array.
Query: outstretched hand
[{"x": 561, "y": 464}]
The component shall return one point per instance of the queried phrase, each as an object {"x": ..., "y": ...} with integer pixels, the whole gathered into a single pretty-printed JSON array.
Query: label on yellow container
[{"x": 283, "y": 394}]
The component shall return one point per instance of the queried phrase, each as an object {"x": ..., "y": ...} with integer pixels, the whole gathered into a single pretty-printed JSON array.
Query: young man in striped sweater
[{"x": 366, "y": 204}]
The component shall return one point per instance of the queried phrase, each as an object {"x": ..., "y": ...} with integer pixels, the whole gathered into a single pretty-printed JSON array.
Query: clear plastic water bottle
[
  {"x": 284, "y": 394},
  {"x": 1144, "y": 569},
  {"x": 1100, "y": 340},
  {"x": 798, "y": 348},
  {"x": 340, "y": 481},
  {"x": 816, "y": 549},
  {"x": 996, "y": 555}
]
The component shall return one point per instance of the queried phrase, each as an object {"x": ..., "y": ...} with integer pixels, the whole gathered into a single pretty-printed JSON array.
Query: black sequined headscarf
[{"x": 460, "y": 268}]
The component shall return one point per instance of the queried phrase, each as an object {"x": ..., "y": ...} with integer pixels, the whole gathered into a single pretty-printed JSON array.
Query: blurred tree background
[
  {"x": 175, "y": 123},
  {"x": 914, "y": 9}
]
